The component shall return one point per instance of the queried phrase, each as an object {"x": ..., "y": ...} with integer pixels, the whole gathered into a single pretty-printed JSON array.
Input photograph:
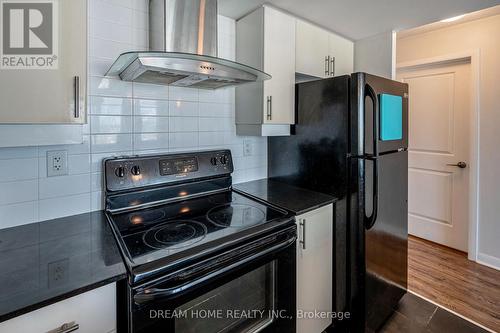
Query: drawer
[{"x": 93, "y": 311}]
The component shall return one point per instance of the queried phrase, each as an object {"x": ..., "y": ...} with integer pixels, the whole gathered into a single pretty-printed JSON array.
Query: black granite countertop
[
  {"x": 43, "y": 263},
  {"x": 294, "y": 199}
]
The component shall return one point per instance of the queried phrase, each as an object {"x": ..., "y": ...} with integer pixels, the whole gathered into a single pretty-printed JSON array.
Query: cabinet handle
[
  {"x": 302, "y": 224},
  {"x": 66, "y": 328},
  {"x": 327, "y": 65},
  {"x": 269, "y": 107},
  {"x": 332, "y": 70},
  {"x": 77, "y": 96}
]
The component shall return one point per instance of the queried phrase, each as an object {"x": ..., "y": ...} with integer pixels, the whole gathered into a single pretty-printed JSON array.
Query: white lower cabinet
[
  {"x": 314, "y": 270},
  {"x": 93, "y": 312}
]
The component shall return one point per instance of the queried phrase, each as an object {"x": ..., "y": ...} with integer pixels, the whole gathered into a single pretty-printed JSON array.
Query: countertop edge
[
  {"x": 272, "y": 192},
  {"x": 294, "y": 212}
]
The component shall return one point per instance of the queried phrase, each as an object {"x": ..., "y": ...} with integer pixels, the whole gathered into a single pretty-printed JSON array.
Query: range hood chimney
[{"x": 183, "y": 50}]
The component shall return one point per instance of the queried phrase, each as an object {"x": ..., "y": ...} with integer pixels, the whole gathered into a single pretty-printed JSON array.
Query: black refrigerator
[{"x": 350, "y": 140}]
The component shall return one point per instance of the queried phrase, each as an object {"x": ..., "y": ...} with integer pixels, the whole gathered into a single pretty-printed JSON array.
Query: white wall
[
  {"x": 482, "y": 35},
  {"x": 376, "y": 55},
  {"x": 125, "y": 118}
]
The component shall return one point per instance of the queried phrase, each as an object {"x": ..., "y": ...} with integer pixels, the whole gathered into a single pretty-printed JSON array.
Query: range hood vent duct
[{"x": 183, "y": 50}]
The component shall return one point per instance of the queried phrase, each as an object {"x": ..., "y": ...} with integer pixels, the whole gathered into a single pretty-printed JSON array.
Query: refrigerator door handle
[{"x": 370, "y": 220}]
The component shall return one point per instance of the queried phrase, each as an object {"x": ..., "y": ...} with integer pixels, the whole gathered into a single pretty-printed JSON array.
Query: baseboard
[{"x": 487, "y": 260}]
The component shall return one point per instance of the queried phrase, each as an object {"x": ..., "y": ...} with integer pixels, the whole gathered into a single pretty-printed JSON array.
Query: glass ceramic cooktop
[{"x": 150, "y": 234}]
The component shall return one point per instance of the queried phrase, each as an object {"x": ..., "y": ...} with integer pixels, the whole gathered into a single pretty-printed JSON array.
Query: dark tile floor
[{"x": 416, "y": 315}]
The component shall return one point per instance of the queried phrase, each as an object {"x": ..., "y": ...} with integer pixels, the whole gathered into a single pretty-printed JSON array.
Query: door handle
[
  {"x": 327, "y": 66},
  {"x": 302, "y": 224},
  {"x": 332, "y": 70},
  {"x": 269, "y": 107},
  {"x": 461, "y": 165},
  {"x": 148, "y": 295},
  {"x": 76, "y": 86},
  {"x": 370, "y": 220}
]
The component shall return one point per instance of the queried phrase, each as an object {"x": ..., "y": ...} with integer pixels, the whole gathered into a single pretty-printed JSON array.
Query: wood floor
[{"x": 446, "y": 277}]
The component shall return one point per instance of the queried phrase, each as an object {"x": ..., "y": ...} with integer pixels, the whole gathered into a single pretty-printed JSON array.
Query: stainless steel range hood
[{"x": 183, "y": 50}]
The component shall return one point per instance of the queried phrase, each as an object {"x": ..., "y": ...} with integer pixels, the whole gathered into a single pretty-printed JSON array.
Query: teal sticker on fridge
[{"x": 391, "y": 117}]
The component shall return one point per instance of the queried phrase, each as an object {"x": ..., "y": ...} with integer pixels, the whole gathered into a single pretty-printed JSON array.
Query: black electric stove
[
  {"x": 187, "y": 228},
  {"x": 182, "y": 230}
]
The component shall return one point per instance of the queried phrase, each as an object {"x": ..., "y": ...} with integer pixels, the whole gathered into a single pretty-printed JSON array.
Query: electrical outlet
[
  {"x": 57, "y": 163},
  {"x": 58, "y": 272},
  {"x": 247, "y": 147}
]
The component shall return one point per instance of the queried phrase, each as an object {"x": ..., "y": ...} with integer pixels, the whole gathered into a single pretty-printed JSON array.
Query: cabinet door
[
  {"x": 279, "y": 61},
  {"x": 342, "y": 55},
  {"x": 311, "y": 50},
  {"x": 314, "y": 268},
  {"x": 93, "y": 311},
  {"x": 50, "y": 95}
]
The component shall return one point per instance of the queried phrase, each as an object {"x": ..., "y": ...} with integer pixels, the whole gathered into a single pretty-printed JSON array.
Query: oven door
[{"x": 250, "y": 288}]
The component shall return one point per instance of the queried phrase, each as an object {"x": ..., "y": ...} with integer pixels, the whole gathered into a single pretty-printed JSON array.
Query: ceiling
[
  {"x": 358, "y": 19},
  {"x": 492, "y": 11}
]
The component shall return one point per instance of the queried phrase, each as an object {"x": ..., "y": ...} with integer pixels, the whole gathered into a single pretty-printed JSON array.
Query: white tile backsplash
[
  {"x": 150, "y": 124},
  {"x": 151, "y": 91},
  {"x": 183, "y": 109},
  {"x": 108, "y": 143},
  {"x": 18, "y": 191},
  {"x": 18, "y": 214},
  {"x": 64, "y": 206},
  {"x": 124, "y": 119},
  {"x": 110, "y": 124},
  {"x": 110, "y": 106},
  {"x": 183, "y": 140},
  {"x": 52, "y": 187},
  {"x": 183, "y": 124},
  {"x": 148, "y": 141},
  {"x": 149, "y": 107},
  {"x": 18, "y": 169}
]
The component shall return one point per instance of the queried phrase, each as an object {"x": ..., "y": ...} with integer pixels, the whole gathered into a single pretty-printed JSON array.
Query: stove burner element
[
  {"x": 235, "y": 215},
  {"x": 147, "y": 217},
  {"x": 175, "y": 234}
]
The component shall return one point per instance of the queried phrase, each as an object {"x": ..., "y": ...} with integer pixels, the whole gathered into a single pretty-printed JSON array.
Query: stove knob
[
  {"x": 223, "y": 159},
  {"x": 213, "y": 160},
  {"x": 136, "y": 171},
  {"x": 120, "y": 172}
]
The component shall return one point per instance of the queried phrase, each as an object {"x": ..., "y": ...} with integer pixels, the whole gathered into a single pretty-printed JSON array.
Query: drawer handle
[{"x": 66, "y": 328}]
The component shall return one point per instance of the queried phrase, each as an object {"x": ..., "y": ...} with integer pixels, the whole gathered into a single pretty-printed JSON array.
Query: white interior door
[{"x": 439, "y": 113}]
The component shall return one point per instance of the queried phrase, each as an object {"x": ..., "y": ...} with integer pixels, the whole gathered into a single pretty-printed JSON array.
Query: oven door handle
[{"x": 147, "y": 295}]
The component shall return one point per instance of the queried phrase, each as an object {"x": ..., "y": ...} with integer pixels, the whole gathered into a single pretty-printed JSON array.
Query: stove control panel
[
  {"x": 177, "y": 166},
  {"x": 130, "y": 172}
]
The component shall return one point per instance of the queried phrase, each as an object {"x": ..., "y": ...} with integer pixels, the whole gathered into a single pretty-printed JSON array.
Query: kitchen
[{"x": 137, "y": 199}]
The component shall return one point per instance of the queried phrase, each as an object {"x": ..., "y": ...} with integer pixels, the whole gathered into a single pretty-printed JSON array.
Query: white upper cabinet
[
  {"x": 279, "y": 61},
  {"x": 265, "y": 39},
  {"x": 320, "y": 53},
  {"x": 48, "y": 86},
  {"x": 341, "y": 53},
  {"x": 312, "y": 50}
]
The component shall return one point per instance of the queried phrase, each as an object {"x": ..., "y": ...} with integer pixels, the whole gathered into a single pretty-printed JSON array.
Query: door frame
[{"x": 474, "y": 56}]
